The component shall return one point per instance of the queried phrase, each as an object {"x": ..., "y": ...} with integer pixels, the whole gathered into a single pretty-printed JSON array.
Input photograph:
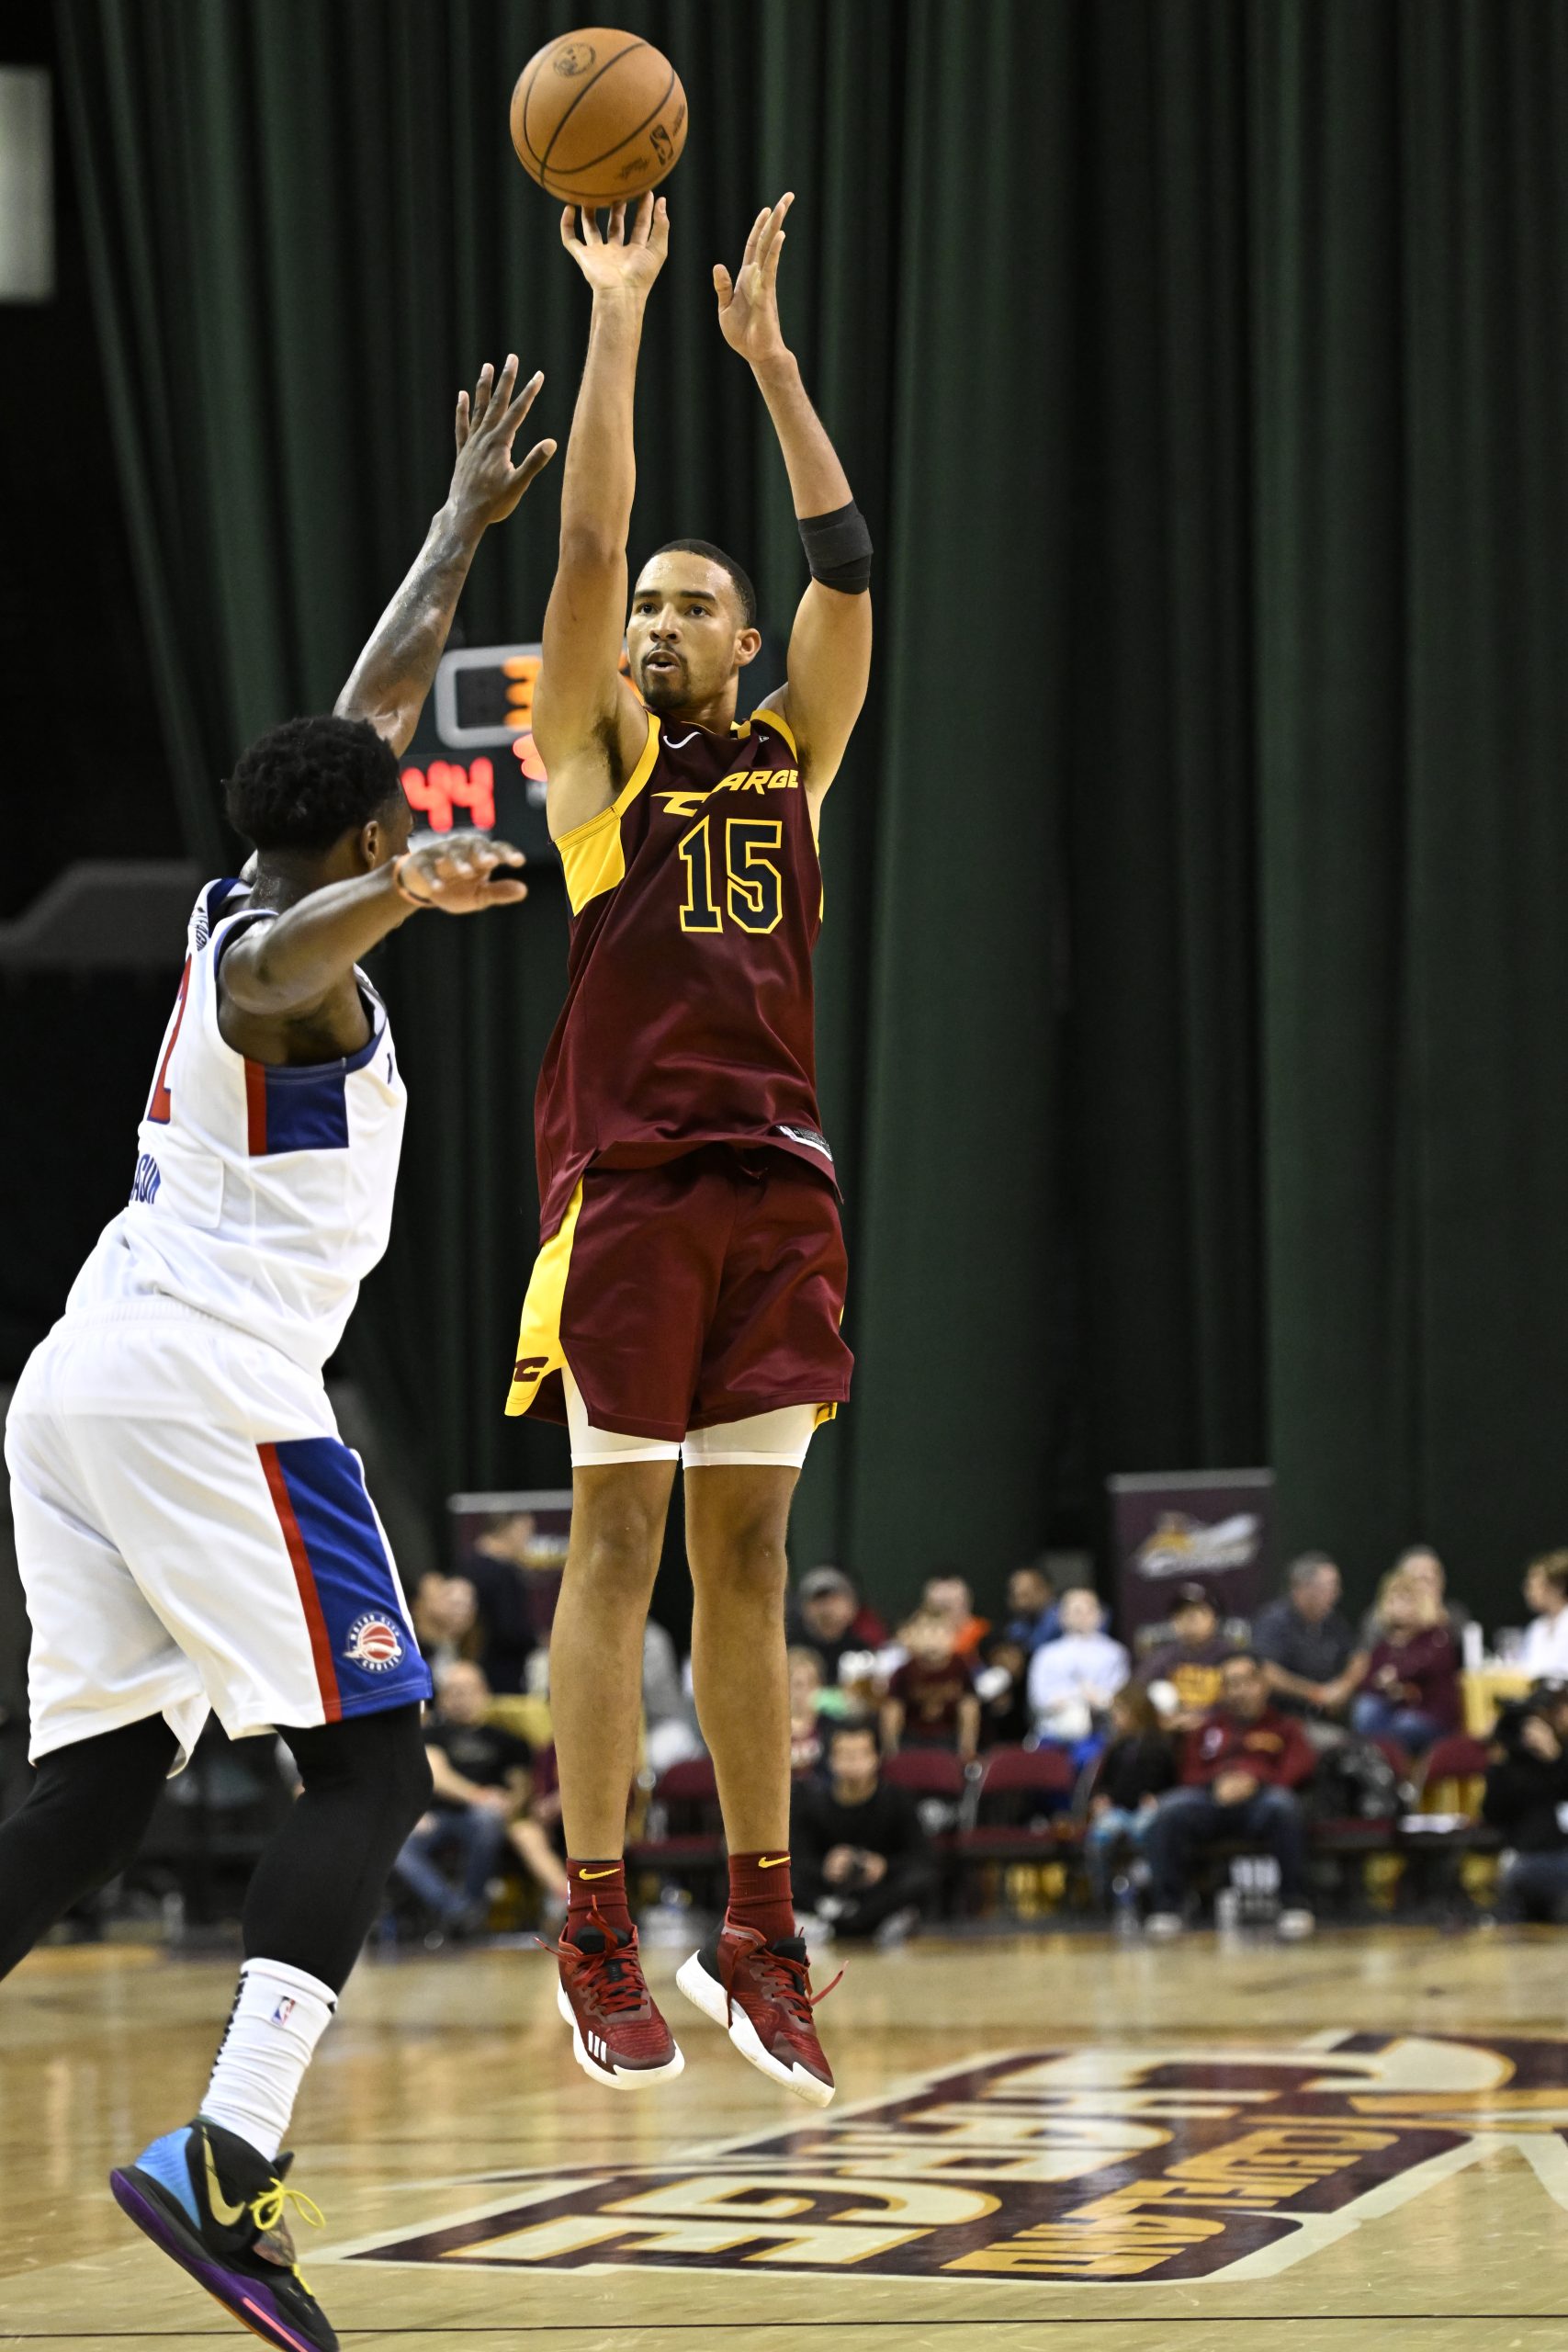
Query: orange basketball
[{"x": 598, "y": 116}]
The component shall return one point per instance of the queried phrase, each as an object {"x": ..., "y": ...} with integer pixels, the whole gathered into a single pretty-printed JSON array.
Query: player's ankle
[
  {"x": 760, "y": 1894},
  {"x": 596, "y": 1892}
]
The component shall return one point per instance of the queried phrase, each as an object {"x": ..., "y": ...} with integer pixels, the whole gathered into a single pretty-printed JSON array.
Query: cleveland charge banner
[
  {"x": 1208, "y": 1527},
  {"x": 526, "y": 1534}
]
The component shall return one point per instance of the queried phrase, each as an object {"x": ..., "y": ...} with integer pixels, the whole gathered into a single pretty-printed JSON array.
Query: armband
[{"x": 838, "y": 549}]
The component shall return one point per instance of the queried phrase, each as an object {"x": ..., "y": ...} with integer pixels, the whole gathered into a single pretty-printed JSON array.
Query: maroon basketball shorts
[{"x": 680, "y": 1297}]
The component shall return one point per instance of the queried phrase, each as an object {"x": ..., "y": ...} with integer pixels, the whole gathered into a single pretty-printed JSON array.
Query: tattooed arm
[{"x": 392, "y": 676}]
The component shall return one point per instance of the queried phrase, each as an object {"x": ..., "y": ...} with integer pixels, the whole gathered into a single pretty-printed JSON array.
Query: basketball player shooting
[
  {"x": 686, "y": 1301},
  {"x": 191, "y": 1532}
]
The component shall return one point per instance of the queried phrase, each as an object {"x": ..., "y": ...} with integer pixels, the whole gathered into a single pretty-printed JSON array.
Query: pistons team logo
[{"x": 373, "y": 1641}]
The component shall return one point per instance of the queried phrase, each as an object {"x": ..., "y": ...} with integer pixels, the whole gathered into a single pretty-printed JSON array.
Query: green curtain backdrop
[{"x": 1194, "y": 987}]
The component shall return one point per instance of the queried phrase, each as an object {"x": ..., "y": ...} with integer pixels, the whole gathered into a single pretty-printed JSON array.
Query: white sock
[{"x": 280, "y": 2015}]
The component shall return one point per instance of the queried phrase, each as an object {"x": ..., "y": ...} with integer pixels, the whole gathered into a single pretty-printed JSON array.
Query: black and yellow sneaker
[{"x": 217, "y": 2207}]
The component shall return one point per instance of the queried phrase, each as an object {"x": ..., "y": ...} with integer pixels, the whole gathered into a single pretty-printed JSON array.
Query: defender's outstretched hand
[
  {"x": 631, "y": 256},
  {"x": 486, "y": 485},
  {"x": 748, "y": 305},
  {"x": 457, "y": 872}
]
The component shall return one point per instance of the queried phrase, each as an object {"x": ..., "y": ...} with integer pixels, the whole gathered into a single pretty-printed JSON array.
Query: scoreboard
[{"x": 473, "y": 761}]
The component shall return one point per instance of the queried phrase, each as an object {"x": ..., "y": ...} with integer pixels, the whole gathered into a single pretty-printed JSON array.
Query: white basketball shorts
[{"x": 193, "y": 1533}]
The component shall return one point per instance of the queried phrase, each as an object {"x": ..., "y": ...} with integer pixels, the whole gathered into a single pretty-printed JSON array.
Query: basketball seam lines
[
  {"x": 523, "y": 118},
  {"x": 578, "y": 169},
  {"x": 609, "y": 62}
]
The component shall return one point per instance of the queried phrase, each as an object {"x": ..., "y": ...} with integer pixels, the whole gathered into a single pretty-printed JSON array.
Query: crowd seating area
[
  {"x": 1025, "y": 1810},
  {"x": 1011, "y": 1773}
]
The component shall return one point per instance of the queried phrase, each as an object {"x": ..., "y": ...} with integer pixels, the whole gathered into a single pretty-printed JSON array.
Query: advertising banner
[
  {"x": 1207, "y": 1527},
  {"x": 527, "y": 1531}
]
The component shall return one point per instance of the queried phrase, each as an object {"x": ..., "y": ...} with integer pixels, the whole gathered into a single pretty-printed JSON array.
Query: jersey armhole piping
[
  {"x": 228, "y": 928},
  {"x": 628, "y": 792},
  {"x": 592, "y": 855},
  {"x": 777, "y": 721}
]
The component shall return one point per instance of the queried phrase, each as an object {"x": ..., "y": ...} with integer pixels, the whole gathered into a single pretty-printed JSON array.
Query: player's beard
[{"x": 666, "y": 690}]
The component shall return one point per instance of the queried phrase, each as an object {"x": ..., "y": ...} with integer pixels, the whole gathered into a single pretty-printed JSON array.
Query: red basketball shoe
[
  {"x": 760, "y": 1994},
  {"x": 617, "y": 2034}
]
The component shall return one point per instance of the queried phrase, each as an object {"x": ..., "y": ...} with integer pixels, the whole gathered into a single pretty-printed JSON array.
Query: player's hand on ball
[
  {"x": 486, "y": 485},
  {"x": 748, "y": 305},
  {"x": 630, "y": 256},
  {"x": 460, "y": 874}
]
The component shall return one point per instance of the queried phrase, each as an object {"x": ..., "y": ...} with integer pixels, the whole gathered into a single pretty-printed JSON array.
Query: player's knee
[
  {"x": 414, "y": 1788},
  {"x": 401, "y": 1779},
  {"x": 752, "y": 1561},
  {"x": 618, "y": 1552},
  {"x": 378, "y": 1762}
]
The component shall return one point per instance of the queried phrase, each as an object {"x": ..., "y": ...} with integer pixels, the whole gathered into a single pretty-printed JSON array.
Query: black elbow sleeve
[{"x": 838, "y": 549}]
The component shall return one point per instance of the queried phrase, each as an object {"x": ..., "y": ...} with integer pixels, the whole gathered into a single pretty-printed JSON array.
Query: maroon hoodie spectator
[
  {"x": 1270, "y": 1747},
  {"x": 1241, "y": 1770},
  {"x": 1410, "y": 1689}
]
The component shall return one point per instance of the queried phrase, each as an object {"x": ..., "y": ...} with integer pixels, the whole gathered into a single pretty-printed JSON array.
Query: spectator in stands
[
  {"x": 1032, "y": 1617},
  {"x": 669, "y": 1718},
  {"x": 1546, "y": 1636},
  {"x": 931, "y": 1698},
  {"x": 1310, "y": 1653},
  {"x": 497, "y": 1564},
  {"x": 859, "y": 1860},
  {"x": 948, "y": 1594},
  {"x": 1001, "y": 1685},
  {"x": 1182, "y": 1676},
  {"x": 806, "y": 1750},
  {"x": 1526, "y": 1803},
  {"x": 825, "y": 1619},
  {"x": 445, "y": 1612},
  {"x": 1137, "y": 1770},
  {"x": 1410, "y": 1691},
  {"x": 1419, "y": 1562},
  {"x": 481, "y": 1807},
  {"x": 1240, "y": 1773},
  {"x": 1073, "y": 1679}
]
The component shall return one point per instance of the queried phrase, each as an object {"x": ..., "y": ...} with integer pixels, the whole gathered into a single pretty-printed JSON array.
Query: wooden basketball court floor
[{"x": 1048, "y": 2141}]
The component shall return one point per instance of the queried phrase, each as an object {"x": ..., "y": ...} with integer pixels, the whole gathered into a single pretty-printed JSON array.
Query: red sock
[
  {"x": 597, "y": 1887},
  {"x": 760, "y": 1895}
]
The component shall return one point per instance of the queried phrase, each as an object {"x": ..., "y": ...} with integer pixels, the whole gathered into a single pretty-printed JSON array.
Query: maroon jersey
[{"x": 696, "y": 899}]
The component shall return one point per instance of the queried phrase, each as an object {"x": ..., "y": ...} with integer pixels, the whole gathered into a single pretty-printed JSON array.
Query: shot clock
[{"x": 473, "y": 760}]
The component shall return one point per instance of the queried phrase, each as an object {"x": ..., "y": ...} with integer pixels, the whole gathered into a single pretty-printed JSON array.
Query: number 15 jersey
[{"x": 696, "y": 901}]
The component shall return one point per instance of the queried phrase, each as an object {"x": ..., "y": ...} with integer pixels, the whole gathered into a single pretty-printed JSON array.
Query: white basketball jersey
[{"x": 263, "y": 1195}]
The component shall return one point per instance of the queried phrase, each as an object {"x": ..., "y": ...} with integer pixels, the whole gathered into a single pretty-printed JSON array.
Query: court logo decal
[
  {"x": 375, "y": 1642},
  {"x": 1096, "y": 2165}
]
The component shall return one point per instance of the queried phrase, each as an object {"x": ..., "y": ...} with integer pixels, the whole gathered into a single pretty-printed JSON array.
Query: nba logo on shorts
[{"x": 373, "y": 1641}]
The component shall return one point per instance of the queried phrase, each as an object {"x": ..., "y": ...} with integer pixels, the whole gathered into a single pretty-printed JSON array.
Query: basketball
[{"x": 598, "y": 117}]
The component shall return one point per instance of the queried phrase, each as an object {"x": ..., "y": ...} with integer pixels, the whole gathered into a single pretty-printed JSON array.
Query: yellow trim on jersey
[
  {"x": 776, "y": 720},
  {"x": 592, "y": 854},
  {"x": 538, "y": 1336}
]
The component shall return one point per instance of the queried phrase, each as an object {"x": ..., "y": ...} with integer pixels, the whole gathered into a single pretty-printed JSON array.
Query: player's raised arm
[
  {"x": 279, "y": 970},
  {"x": 829, "y": 645},
  {"x": 588, "y": 724},
  {"x": 393, "y": 674}
]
